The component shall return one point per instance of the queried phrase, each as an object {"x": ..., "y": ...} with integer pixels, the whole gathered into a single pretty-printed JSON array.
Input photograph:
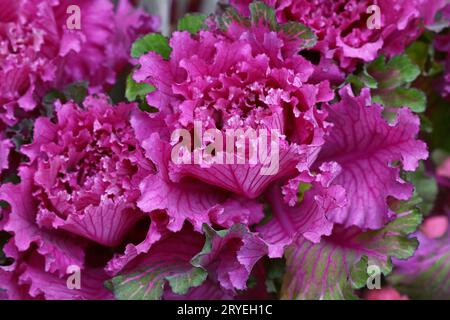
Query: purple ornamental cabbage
[
  {"x": 80, "y": 188},
  {"x": 250, "y": 76},
  {"x": 342, "y": 26},
  {"x": 38, "y": 51},
  {"x": 109, "y": 197},
  {"x": 246, "y": 66}
]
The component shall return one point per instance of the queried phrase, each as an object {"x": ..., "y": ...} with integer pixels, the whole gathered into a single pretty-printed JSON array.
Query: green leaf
[
  {"x": 148, "y": 283},
  {"x": 439, "y": 157},
  {"x": 4, "y": 237},
  {"x": 302, "y": 188},
  {"x": 333, "y": 268},
  {"x": 425, "y": 124},
  {"x": 422, "y": 53},
  {"x": 399, "y": 71},
  {"x": 300, "y": 31},
  {"x": 275, "y": 272},
  {"x": 262, "y": 14},
  {"x": 136, "y": 90},
  {"x": 252, "y": 282},
  {"x": 214, "y": 241},
  {"x": 182, "y": 282},
  {"x": 117, "y": 91},
  {"x": 192, "y": 23},
  {"x": 168, "y": 261},
  {"x": 232, "y": 15},
  {"x": 48, "y": 103},
  {"x": 412, "y": 98},
  {"x": 426, "y": 188},
  {"x": 144, "y": 106},
  {"x": 390, "y": 82},
  {"x": 364, "y": 80},
  {"x": 418, "y": 53},
  {"x": 21, "y": 133},
  {"x": 76, "y": 91},
  {"x": 153, "y": 42}
]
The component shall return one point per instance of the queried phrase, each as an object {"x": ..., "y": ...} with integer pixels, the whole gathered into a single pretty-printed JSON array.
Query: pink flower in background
[
  {"x": 435, "y": 227},
  {"x": 38, "y": 51},
  {"x": 444, "y": 169},
  {"x": 342, "y": 26},
  {"x": 387, "y": 293}
]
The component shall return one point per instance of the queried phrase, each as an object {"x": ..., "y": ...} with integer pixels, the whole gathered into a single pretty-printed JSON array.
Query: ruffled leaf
[
  {"x": 136, "y": 90},
  {"x": 156, "y": 231},
  {"x": 390, "y": 83},
  {"x": 167, "y": 261},
  {"x": 59, "y": 250},
  {"x": 366, "y": 146},
  {"x": 338, "y": 264},
  {"x": 412, "y": 98},
  {"x": 300, "y": 31},
  {"x": 426, "y": 188},
  {"x": 192, "y": 23},
  {"x": 153, "y": 42},
  {"x": 182, "y": 282},
  {"x": 262, "y": 14},
  {"x": 230, "y": 255},
  {"x": 52, "y": 287},
  {"x": 10, "y": 289},
  {"x": 307, "y": 218},
  {"x": 76, "y": 91},
  {"x": 106, "y": 223},
  {"x": 248, "y": 180},
  {"x": 397, "y": 72},
  {"x": 190, "y": 200}
]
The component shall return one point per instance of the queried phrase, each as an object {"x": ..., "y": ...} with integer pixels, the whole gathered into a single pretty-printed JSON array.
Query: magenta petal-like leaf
[
  {"x": 189, "y": 199},
  {"x": 366, "y": 146},
  {"x": 308, "y": 218},
  {"x": 53, "y": 287},
  {"x": 230, "y": 255},
  {"x": 59, "y": 250}
]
